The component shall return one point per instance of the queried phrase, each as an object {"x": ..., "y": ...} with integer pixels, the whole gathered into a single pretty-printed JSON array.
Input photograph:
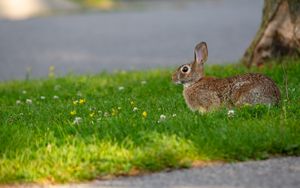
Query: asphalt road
[{"x": 157, "y": 34}]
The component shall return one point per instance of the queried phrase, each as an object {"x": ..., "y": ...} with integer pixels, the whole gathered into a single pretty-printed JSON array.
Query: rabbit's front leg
[{"x": 201, "y": 100}]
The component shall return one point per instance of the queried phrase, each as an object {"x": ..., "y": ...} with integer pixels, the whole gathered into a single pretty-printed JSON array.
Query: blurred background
[{"x": 90, "y": 36}]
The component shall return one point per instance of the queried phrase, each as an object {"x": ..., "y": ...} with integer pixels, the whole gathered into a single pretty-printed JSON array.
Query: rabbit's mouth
[
  {"x": 178, "y": 82},
  {"x": 183, "y": 82}
]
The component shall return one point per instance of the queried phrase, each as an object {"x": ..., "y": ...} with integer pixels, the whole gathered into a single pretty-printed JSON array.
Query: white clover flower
[
  {"x": 161, "y": 118},
  {"x": 18, "y": 102},
  {"x": 24, "y": 92},
  {"x": 120, "y": 88},
  {"x": 135, "y": 109},
  {"x": 143, "y": 82},
  {"x": 77, "y": 120},
  {"x": 28, "y": 101},
  {"x": 55, "y": 97},
  {"x": 43, "y": 97},
  {"x": 230, "y": 113},
  {"x": 174, "y": 115}
]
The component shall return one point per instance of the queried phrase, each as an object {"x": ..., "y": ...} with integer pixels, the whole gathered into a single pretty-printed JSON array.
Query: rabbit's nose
[{"x": 175, "y": 79}]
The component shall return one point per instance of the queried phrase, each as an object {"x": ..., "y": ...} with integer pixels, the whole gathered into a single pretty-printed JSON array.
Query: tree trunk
[{"x": 279, "y": 33}]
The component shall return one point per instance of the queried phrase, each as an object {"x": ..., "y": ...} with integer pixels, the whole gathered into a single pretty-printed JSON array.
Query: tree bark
[{"x": 279, "y": 33}]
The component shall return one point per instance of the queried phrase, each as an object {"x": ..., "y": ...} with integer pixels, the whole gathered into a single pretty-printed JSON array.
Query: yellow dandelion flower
[
  {"x": 113, "y": 112},
  {"x": 75, "y": 102},
  {"x": 82, "y": 101},
  {"x": 144, "y": 114},
  {"x": 73, "y": 112},
  {"x": 92, "y": 114}
]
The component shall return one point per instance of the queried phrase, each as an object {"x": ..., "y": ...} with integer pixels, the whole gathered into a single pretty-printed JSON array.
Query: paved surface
[
  {"x": 273, "y": 173},
  {"x": 158, "y": 34}
]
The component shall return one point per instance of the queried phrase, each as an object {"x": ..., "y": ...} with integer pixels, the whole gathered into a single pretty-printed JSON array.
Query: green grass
[
  {"x": 39, "y": 142},
  {"x": 98, "y": 4}
]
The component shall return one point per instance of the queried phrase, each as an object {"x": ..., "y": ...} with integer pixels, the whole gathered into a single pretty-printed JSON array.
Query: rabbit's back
[
  {"x": 253, "y": 88},
  {"x": 250, "y": 88}
]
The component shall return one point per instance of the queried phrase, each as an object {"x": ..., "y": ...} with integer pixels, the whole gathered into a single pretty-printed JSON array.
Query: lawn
[
  {"x": 98, "y": 4},
  {"x": 75, "y": 128}
]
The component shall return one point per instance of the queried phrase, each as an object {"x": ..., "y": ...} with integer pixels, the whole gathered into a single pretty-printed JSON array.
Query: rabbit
[{"x": 205, "y": 94}]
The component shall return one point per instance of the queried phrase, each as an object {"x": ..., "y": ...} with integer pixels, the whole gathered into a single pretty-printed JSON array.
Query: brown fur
[{"x": 206, "y": 93}]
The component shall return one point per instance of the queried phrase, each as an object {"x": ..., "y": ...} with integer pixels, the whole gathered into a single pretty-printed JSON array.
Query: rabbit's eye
[{"x": 185, "y": 69}]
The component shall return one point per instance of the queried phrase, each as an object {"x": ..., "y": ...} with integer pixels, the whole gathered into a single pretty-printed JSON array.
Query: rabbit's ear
[{"x": 201, "y": 52}]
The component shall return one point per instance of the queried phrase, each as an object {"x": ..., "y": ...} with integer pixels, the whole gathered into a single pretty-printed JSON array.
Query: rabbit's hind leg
[{"x": 254, "y": 96}]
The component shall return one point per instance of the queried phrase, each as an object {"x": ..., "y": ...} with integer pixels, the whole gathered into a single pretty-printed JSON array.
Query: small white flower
[
  {"x": 28, "y": 101},
  {"x": 18, "y": 102},
  {"x": 106, "y": 114},
  {"x": 121, "y": 88},
  {"x": 143, "y": 82},
  {"x": 230, "y": 113},
  {"x": 55, "y": 97},
  {"x": 24, "y": 92},
  {"x": 174, "y": 115},
  {"x": 77, "y": 120},
  {"x": 135, "y": 109},
  {"x": 43, "y": 97},
  {"x": 161, "y": 118}
]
